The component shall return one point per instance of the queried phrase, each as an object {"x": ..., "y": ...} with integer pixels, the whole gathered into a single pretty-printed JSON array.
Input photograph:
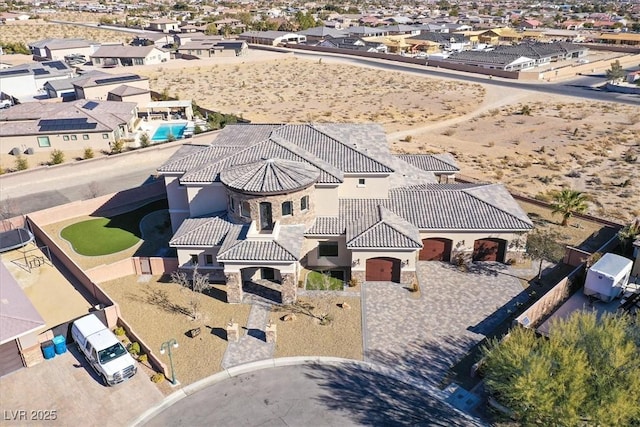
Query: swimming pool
[{"x": 163, "y": 131}]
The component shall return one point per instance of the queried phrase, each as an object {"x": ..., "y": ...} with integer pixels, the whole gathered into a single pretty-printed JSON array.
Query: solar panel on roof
[
  {"x": 58, "y": 65},
  {"x": 40, "y": 71},
  {"x": 55, "y": 125},
  {"x": 14, "y": 72},
  {"x": 90, "y": 105},
  {"x": 110, "y": 80}
]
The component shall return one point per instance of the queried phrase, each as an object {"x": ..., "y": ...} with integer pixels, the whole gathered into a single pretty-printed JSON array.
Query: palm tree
[{"x": 567, "y": 202}]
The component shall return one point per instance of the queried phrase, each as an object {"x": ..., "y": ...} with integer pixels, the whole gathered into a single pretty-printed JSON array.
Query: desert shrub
[
  {"x": 88, "y": 153},
  {"x": 171, "y": 137},
  {"x": 57, "y": 157},
  {"x": 118, "y": 147},
  {"x": 15, "y": 47},
  {"x": 22, "y": 163},
  {"x": 143, "y": 358},
  {"x": 145, "y": 141},
  {"x": 134, "y": 348},
  {"x": 353, "y": 282},
  {"x": 525, "y": 110},
  {"x": 449, "y": 132},
  {"x": 408, "y": 138},
  {"x": 119, "y": 331},
  {"x": 157, "y": 378}
]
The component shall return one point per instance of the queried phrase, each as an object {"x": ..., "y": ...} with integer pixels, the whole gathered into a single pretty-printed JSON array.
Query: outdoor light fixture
[
  {"x": 167, "y": 346},
  {"x": 355, "y": 262},
  {"x": 405, "y": 262}
]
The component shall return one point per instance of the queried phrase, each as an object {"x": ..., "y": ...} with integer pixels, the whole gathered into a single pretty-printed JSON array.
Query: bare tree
[{"x": 197, "y": 284}]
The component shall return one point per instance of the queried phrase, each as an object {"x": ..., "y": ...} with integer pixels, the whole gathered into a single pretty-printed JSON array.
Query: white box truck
[
  {"x": 607, "y": 277},
  {"x": 104, "y": 352}
]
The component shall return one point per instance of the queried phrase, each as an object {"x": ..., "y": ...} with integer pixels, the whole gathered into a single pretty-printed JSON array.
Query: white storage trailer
[{"x": 607, "y": 277}]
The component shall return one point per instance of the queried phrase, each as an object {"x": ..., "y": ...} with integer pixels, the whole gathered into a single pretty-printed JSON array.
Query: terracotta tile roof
[{"x": 270, "y": 176}]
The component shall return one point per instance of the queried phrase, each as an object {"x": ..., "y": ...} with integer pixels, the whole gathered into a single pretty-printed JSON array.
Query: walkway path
[{"x": 253, "y": 345}]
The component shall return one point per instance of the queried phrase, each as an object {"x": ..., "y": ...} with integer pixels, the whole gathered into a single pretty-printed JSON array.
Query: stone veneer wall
[
  {"x": 289, "y": 289},
  {"x": 299, "y": 217},
  {"x": 234, "y": 288}
]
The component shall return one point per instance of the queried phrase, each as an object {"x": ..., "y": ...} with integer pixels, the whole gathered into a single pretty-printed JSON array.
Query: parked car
[
  {"x": 5, "y": 103},
  {"x": 106, "y": 355}
]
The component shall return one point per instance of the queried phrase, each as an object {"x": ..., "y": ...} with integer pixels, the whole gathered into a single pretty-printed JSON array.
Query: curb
[{"x": 234, "y": 371}]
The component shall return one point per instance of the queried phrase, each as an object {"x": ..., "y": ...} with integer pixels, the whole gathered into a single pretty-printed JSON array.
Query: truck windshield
[{"x": 110, "y": 353}]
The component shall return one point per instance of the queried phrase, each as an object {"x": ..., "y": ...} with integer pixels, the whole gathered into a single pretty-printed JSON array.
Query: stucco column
[
  {"x": 359, "y": 275},
  {"x": 407, "y": 277},
  {"x": 234, "y": 288},
  {"x": 289, "y": 289}
]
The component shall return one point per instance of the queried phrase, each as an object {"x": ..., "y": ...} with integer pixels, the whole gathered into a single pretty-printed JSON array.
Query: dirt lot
[
  {"x": 37, "y": 29},
  {"x": 591, "y": 147},
  {"x": 294, "y": 90}
]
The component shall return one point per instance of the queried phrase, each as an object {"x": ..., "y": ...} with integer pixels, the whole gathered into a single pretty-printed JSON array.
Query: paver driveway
[{"x": 425, "y": 336}]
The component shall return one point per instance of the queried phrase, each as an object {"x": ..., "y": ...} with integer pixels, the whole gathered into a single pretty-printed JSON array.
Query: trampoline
[{"x": 14, "y": 239}]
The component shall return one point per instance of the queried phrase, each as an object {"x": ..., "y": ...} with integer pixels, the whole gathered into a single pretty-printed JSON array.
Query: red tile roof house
[{"x": 264, "y": 201}]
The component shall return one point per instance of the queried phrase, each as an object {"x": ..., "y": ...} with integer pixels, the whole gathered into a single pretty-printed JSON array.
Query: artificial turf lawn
[
  {"x": 104, "y": 236},
  {"x": 315, "y": 282}
]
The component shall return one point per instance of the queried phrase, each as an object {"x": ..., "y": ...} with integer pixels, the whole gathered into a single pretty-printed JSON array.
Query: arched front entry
[
  {"x": 489, "y": 250},
  {"x": 383, "y": 269},
  {"x": 263, "y": 282},
  {"x": 435, "y": 249}
]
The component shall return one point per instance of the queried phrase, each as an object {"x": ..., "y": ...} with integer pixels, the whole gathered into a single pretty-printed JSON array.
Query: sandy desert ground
[
  {"x": 558, "y": 142},
  {"x": 37, "y": 29}
]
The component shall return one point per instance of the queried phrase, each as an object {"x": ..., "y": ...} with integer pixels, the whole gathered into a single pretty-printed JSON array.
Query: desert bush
[
  {"x": 119, "y": 331},
  {"x": 449, "y": 132},
  {"x": 88, "y": 153},
  {"x": 57, "y": 157},
  {"x": 118, "y": 147},
  {"x": 157, "y": 378},
  {"x": 145, "y": 141},
  {"x": 525, "y": 110},
  {"x": 134, "y": 348},
  {"x": 143, "y": 358},
  {"x": 22, "y": 163}
]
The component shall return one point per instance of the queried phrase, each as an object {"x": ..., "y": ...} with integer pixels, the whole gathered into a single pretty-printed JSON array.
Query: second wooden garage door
[
  {"x": 435, "y": 249},
  {"x": 383, "y": 270},
  {"x": 488, "y": 250}
]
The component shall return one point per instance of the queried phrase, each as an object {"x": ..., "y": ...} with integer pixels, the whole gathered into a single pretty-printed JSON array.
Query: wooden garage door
[
  {"x": 435, "y": 249},
  {"x": 10, "y": 358},
  {"x": 488, "y": 250},
  {"x": 383, "y": 270}
]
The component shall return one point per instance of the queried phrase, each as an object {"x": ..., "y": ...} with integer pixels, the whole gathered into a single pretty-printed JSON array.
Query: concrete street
[{"x": 311, "y": 395}]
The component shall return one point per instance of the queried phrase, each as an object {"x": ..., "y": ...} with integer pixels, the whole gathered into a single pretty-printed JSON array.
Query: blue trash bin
[
  {"x": 48, "y": 349},
  {"x": 60, "y": 344}
]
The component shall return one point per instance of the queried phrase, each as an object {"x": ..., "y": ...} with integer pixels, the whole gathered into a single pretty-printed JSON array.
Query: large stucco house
[{"x": 264, "y": 201}]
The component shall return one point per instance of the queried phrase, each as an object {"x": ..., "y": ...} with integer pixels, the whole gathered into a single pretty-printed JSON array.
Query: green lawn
[
  {"x": 94, "y": 237},
  {"x": 316, "y": 282},
  {"x": 104, "y": 236}
]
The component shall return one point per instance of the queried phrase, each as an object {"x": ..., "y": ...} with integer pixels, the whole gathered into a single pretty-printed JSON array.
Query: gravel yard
[
  {"x": 305, "y": 336},
  {"x": 158, "y": 310}
]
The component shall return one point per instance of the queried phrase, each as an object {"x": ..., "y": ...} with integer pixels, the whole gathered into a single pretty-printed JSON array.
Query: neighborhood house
[{"x": 264, "y": 201}]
